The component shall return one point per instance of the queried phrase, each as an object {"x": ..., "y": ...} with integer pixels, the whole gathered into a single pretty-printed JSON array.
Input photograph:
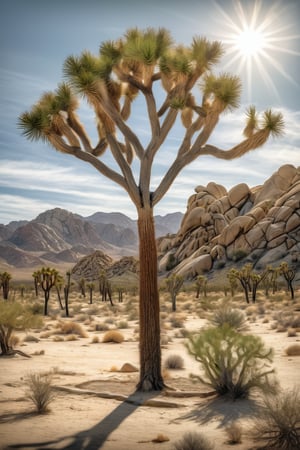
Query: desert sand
[{"x": 95, "y": 405}]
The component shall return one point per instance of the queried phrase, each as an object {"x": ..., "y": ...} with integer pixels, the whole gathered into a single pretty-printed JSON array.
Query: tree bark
[{"x": 150, "y": 352}]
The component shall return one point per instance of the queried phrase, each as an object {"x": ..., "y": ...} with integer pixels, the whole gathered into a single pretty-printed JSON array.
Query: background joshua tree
[
  {"x": 289, "y": 274},
  {"x": 5, "y": 278},
  {"x": 174, "y": 284},
  {"x": 110, "y": 82},
  {"x": 46, "y": 278}
]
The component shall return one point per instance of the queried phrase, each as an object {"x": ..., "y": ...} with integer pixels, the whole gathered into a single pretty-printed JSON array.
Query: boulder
[{"x": 238, "y": 194}]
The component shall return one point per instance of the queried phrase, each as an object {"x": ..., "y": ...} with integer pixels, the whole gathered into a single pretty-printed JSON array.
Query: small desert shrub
[
  {"x": 174, "y": 362},
  {"x": 293, "y": 350},
  {"x": 122, "y": 324},
  {"x": 71, "y": 337},
  {"x": 110, "y": 320},
  {"x": 251, "y": 310},
  {"x": 133, "y": 315},
  {"x": 37, "y": 308},
  {"x": 233, "y": 363},
  {"x": 46, "y": 334},
  {"x": 176, "y": 321},
  {"x": 182, "y": 333},
  {"x": 193, "y": 441},
  {"x": 226, "y": 315},
  {"x": 278, "y": 425},
  {"x": 71, "y": 328},
  {"x": 57, "y": 338},
  {"x": 113, "y": 336},
  {"x": 291, "y": 332},
  {"x": 234, "y": 433},
  {"x": 30, "y": 338},
  {"x": 14, "y": 340},
  {"x": 164, "y": 339},
  {"x": 101, "y": 327},
  {"x": 95, "y": 340},
  {"x": 82, "y": 317},
  {"x": 39, "y": 352},
  {"x": 40, "y": 391}
]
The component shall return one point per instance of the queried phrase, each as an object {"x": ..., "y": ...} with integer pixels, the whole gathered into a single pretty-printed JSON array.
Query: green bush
[
  {"x": 14, "y": 316},
  {"x": 233, "y": 363},
  {"x": 278, "y": 425},
  {"x": 226, "y": 315}
]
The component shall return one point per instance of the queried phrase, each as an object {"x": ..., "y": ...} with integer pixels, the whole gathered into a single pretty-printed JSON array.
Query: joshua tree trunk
[
  {"x": 47, "y": 296},
  {"x": 150, "y": 354}
]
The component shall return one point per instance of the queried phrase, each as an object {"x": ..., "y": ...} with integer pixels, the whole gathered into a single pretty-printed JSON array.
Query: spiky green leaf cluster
[
  {"x": 177, "y": 103},
  {"x": 111, "y": 50},
  {"x": 225, "y": 87},
  {"x": 273, "y": 122},
  {"x": 178, "y": 61},
  {"x": 35, "y": 124},
  {"x": 84, "y": 71},
  {"x": 206, "y": 53},
  {"x": 146, "y": 46}
]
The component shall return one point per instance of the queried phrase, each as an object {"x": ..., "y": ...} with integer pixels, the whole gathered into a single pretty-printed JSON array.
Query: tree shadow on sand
[
  {"x": 94, "y": 437},
  {"x": 222, "y": 409}
]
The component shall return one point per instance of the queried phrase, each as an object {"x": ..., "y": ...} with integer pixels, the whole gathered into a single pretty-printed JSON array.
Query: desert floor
[{"x": 95, "y": 405}]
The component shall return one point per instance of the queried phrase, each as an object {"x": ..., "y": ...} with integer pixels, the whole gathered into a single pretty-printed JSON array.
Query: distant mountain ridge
[{"x": 60, "y": 236}]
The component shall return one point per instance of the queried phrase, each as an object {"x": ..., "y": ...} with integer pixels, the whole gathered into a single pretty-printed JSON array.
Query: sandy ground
[{"x": 82, "y": 419}]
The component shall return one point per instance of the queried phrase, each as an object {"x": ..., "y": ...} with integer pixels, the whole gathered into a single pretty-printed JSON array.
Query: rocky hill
[{"x": 260, "y": 225}]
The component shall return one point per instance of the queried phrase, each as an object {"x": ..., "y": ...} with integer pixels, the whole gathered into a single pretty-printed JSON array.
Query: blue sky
[{"x": 37, "y": 35}]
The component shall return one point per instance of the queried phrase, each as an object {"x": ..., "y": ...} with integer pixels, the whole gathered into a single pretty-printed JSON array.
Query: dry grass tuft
[
  {"x": 40, "y": 391},
  {"x": 113, "y": 336},
  {"x": 193, "y": 441},
  {"x": 291, "y": 332},
  {"x": 71, "y": 337},
  {"x": 174, "y": 362},
  {"x": 71, "y": 328},
  {"x": 279, "y": 421}
]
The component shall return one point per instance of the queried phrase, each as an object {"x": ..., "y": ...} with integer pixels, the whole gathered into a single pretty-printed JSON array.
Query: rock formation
[{"x": 260, "y": 225}]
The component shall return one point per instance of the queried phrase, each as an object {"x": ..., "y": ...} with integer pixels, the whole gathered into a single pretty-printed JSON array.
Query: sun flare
[
  {"x": 250, "y": 42},
  {"x": 255, "y": 39}
]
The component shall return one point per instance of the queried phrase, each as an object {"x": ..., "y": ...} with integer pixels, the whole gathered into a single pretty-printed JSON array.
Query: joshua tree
[
  {"x": 91, "y": 287},
  {"x": 174, "y": 284},
  {"x": 81, "y": 284},
  {"x": 47, "y": 278},
  {"x": 105, "y": 287},
  {"x": 110, "y": 82},
  {"x": 289, "y": 275},
  {"x": 201, "y": 285},
  {"x": 5, "y": 278},
  {"x": 67, "y": 291},
  {"x": 249, "y": 280}
]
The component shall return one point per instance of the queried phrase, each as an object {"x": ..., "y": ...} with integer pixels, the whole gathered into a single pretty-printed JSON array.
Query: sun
[
  {"x": 255, "y": 39},
  {"x": 250, "y": 42}
]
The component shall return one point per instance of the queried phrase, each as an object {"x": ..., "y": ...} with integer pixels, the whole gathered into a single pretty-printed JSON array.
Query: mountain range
[{"x": 58, "y": 236}]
